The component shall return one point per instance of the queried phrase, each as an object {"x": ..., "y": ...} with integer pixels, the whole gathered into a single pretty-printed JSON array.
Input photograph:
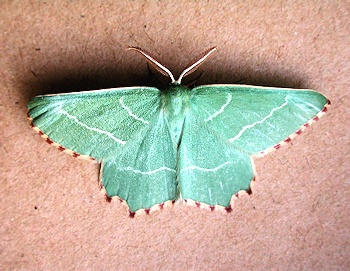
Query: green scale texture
[{"x": 157, "y": 145}]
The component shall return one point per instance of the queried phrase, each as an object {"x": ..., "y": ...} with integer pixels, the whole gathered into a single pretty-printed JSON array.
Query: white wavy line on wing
[
  {"x": 130, "y": 112},
  {"x": 91, "y": 128},
  {"x": 211, "y": 117},
  {"x": 258, "y": 122},
  {"x": 148, "y": 172},
  {"x": 205, "y": 169}
]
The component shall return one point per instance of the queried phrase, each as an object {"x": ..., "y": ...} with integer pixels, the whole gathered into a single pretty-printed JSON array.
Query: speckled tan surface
[{"x": 52, "y": 214}]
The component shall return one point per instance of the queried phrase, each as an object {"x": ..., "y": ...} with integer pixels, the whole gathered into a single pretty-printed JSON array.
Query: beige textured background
[{"x": 52, "y": 214}]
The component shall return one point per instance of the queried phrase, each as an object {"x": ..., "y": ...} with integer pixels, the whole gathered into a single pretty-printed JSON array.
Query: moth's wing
[
  {"x": 144, "y": 173},
  {"x": 254, "y": 119},
  {"x": 225, "y": 125},
  {"x": 94, "y": 123},
  {"x": 125, "y": 129},
  {"x": 210, "y": 170}
]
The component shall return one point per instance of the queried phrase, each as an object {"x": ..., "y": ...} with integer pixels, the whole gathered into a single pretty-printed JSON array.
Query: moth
[{"x": 189, "y": 144}]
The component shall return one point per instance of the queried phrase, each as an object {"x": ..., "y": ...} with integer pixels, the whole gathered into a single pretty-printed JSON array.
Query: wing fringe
[
  {"x": 58, "y": 146},
  {"x": 296, "y": 133}
]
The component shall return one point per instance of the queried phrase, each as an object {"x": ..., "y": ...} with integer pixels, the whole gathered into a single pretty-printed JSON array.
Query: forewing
[
  {"x": 255, "y": 118},
  {"x": 143, "y": 174},
  {"x": 211, "y": 170},
  {"x": 95, "y": 123}
]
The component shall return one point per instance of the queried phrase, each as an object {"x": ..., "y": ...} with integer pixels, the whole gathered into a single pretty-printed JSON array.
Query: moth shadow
[
  {"x": 247, "y": 75},
  {"x": 93, "y": 75},
  {"x": 53, "y": 82}
]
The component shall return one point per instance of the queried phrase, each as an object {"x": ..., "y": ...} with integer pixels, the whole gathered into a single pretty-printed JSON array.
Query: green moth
[{"x": 158, "y": 146}]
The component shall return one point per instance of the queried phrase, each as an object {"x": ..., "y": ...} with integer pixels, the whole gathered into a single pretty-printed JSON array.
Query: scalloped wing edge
[
  {"x": 140, "y": 212},
  {"x": 189, "y": 202},
  {"x": 58, "y": 146},
  {"x": 170, "y": 203},
  {"x": 239, "y": 194},
  {"x": 74, "y": 154},
  {"x": 289, "y": 138},
  {"x": 219, "y": 208}
]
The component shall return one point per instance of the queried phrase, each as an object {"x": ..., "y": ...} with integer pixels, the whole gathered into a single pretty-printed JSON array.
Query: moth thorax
[{"x": 175, "y": 104}]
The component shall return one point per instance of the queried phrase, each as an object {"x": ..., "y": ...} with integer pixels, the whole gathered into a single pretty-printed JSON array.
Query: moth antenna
[
  {"x": 154, "y": 63},
  {"x": 195, "y": 64}
]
